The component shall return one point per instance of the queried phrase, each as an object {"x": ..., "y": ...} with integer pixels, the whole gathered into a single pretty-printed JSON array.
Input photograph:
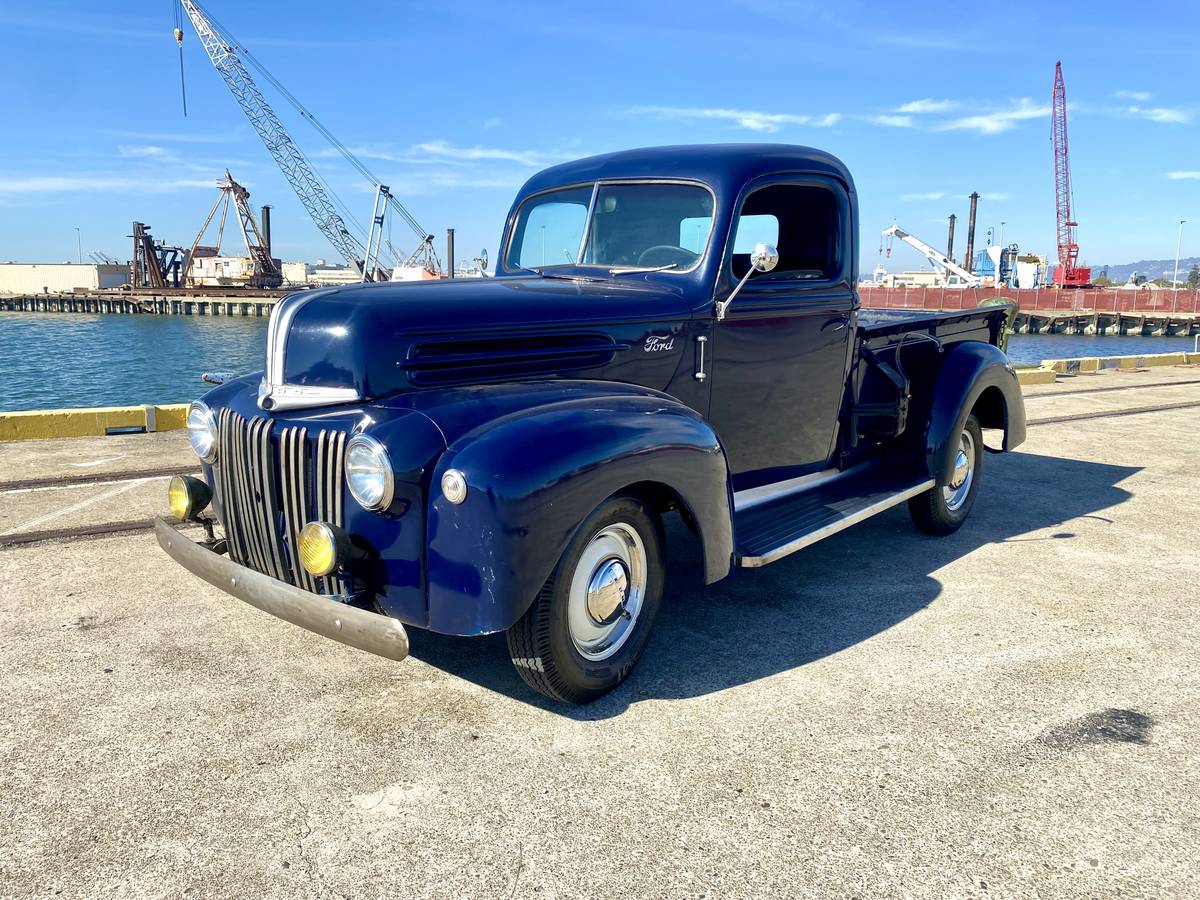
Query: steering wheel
[{"x": 666, "y": 254}]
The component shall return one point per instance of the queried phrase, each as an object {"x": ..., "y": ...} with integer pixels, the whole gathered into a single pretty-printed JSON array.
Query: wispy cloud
[
  {"x": 996, "y": 197},
  {"x": 929, "y": 195},
  {"x": 57, "y": 184},
  {"x": 444, "y": 152},
  {"x": 489, "y": 124},
  {"x": 1172, "y": 116},
  {"x": 179, "y": 137},
  {"x": 1184, "y": 175},
  {"x": 998, "y": 121},
  {"x": 142, "y": 151},
  {"x": 1139, "y": 96},
  {"x": 891, "y": 121},
  {"x": 927, "y": 105},
  {"x": 751, "y": 120}
]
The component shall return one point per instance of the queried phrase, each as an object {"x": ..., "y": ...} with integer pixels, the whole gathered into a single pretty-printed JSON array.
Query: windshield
[{"x": 633, "y": 226}]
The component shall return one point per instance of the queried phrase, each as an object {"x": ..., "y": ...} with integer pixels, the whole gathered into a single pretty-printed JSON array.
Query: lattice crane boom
[
  {"x": 292, "y": 162},
  {"x": 1069, "y": 273}
]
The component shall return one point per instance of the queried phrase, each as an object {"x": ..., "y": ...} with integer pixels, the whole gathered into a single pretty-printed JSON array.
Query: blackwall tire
[
  {"x": 590, "y": 622},
  {"x": 943, "y": 508}
]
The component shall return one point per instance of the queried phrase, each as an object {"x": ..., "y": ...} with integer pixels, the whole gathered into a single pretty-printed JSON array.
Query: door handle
[
  {"x": 701, "y": 342},
  {"x": 836, "y": 324}
]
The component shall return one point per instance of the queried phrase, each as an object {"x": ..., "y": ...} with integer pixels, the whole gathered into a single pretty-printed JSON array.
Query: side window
[
  {"x": 801, "y": 221},
  {"x": 693, "y": 232},
  {"x": 552, "y": 234}
]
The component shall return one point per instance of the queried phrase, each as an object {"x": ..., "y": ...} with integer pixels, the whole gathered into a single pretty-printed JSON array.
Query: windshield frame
[{"x": 596, "y": 184}]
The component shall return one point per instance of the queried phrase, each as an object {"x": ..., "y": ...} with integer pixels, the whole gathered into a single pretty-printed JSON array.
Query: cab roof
[{"x": 725, "y": 167}]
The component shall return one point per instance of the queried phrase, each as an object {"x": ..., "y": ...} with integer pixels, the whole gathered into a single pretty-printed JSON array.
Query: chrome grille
[{"x": 270, "y": 485}]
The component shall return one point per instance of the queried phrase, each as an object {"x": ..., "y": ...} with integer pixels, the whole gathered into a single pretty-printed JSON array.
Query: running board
[{"x": 772, "y": 530}]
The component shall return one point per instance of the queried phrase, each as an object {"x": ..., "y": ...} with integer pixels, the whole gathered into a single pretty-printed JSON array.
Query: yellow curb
[
  {"x": 96, "y": 421},
  {"x": 1096, "y": 363},
  {"x": 1036, "y": 376}
]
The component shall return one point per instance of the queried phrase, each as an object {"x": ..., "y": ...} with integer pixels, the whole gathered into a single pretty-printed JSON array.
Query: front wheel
[
  {"x": 944, "y": 507},
  {"x": 590, "y": 622}
]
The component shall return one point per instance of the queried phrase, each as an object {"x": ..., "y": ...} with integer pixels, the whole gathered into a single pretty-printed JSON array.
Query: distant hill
[{"x": 1151, "y": 268}]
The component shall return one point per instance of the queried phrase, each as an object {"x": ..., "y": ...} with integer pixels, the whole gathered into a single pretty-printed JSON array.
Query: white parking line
[
  {"x": 82, "y": 504},
  {"x": 79, "y": 484},
  {"x": 98, "y": 462}
]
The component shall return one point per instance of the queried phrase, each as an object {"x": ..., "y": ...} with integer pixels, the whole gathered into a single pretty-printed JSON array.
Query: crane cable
[
  {"x": 316, "y": 123},
  {"x": 177, "y": 9},
  {"x": 232, "y": 45}
]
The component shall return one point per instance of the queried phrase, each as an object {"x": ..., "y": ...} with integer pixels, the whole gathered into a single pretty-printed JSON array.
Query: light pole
[
  {"x": 1002, "y": 254},
  {"x": 79, "y": 245},
  {"x": 1178, "y": 241}
]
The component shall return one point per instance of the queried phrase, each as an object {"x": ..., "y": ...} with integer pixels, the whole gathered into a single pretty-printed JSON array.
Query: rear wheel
[
  {"x": 944, "y": 507},
  {"x": 590, "y": 622}
]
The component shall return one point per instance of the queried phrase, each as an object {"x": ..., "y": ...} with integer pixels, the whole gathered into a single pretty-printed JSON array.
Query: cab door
[{"x": 781, "y": 355}]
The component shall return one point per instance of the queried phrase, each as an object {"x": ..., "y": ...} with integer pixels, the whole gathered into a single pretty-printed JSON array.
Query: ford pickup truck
[{"x": 668, "y": 331}]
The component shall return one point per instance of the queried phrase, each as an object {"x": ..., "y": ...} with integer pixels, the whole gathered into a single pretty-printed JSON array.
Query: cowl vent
[{"x": 457, "y": 361}]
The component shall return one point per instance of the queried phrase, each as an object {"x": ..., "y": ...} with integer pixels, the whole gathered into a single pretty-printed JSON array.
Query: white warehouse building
[{"x": 51, "y": 278}]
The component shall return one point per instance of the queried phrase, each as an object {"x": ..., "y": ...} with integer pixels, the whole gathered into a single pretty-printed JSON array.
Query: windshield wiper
[
  {"x": 646, "y": 269},
  {"x": 542, "y": 273}
]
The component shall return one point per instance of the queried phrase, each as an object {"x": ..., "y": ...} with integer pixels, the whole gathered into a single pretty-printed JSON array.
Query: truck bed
[{"x": 881, "y": 328}]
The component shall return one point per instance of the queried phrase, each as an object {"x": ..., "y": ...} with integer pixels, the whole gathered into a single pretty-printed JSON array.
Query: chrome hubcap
[
  {"x": 955, "y": 493},
  {"x": 607, "y": 592},
  {"x": 608, "y": 587}
]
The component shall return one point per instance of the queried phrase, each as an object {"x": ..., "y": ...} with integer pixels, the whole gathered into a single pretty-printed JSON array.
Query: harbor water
[{"x": 52, "y": 360}]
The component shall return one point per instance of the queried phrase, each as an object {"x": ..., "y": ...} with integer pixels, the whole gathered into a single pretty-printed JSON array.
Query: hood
[{"x": 370, "y": 341}]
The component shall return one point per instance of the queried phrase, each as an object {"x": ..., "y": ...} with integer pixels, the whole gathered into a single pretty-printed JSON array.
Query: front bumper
[{"x": 381, "y": 635}]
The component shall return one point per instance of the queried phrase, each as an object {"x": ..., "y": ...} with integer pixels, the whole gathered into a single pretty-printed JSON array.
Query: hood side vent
[{"x": 470, "y": 361}]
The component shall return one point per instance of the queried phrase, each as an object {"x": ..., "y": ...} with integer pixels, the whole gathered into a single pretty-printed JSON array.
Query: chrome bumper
[{"x": 375, "y": 633}]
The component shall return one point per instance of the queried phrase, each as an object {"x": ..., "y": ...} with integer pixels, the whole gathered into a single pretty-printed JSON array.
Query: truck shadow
[{"x": 824, "y": 599}]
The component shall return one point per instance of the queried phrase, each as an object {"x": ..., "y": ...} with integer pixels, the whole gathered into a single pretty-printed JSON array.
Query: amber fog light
[
  {"x": 187, "y": 496},
  {"x": 322, "y": 548}
]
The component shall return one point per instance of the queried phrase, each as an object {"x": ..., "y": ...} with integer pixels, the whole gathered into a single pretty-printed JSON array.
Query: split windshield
[{"x": 633, "y": 226}]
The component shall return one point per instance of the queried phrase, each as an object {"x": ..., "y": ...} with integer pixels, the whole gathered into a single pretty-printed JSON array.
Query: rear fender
[
  {"x": 971, "y": 375},
  {"x": 535, "y": 475}
]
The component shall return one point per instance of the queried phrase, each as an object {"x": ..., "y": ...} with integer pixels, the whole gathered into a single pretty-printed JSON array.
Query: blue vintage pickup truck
[{"x": 669, "y": 330}]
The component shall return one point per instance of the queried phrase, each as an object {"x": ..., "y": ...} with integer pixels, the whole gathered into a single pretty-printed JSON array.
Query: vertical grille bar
[
  {"x": 331, "y": 451},
  {"x": 295, "y": 472},
  {"x": 254, "y": 547},
  {"x": 271, "y": 486},
  {"x": 264, "y": 483}
]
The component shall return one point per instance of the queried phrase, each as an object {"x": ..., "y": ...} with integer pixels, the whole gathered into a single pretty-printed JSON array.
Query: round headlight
[
  {"x": 202, "y": 431},
  {"x": 369, "y": 472}
]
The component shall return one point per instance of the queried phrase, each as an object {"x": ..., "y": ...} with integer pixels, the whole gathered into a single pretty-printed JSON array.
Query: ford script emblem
[{"x": 654, "y": 343}]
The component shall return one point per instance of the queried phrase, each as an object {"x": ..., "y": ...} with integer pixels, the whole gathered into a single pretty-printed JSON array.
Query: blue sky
[{"x": 454, "y": 104}]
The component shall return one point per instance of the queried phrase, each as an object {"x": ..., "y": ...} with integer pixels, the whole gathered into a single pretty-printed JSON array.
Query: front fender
[
  {"x": 534, "y": 475},
  {"x": 970, "y": 376}
]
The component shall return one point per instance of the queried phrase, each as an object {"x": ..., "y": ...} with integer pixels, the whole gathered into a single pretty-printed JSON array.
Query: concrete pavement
[{"x": 1012, "y": 710}]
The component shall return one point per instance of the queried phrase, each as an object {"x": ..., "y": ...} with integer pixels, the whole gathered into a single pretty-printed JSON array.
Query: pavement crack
[
  {"x": 314, "y": 874},
  {"x": 517, "y": 874}
]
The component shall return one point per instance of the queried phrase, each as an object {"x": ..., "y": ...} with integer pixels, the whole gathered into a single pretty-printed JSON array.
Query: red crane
[{"x": 1069, "y": 273}]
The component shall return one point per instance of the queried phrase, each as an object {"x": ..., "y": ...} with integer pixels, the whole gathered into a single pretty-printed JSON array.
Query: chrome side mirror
[
  {"x": 764, "y": 258},
  {"x": 482, "y": 261}
]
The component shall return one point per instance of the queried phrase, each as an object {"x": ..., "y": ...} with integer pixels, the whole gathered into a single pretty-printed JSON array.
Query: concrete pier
[
  {"x": 1144, "y": 324},
  {"x": 176, "y": 303},
  {"x": 1012, "y": 710}
]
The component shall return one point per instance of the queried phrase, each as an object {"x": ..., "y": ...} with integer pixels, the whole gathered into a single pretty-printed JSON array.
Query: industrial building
[{"x": 47, "y": 278}]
